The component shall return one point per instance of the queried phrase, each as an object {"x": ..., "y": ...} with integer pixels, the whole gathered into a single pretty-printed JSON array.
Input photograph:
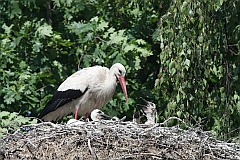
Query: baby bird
[
  {"x": 137, "y": 117},
  {"x": 118, "y": 119},
  {"x": 150, "y": 112},
  {"x": 74, "y": 122},
  {"x": 97, "y": 115}
]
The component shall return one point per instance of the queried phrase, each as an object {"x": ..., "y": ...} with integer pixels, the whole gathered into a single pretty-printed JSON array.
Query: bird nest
[{"x": 114, "y": 140}]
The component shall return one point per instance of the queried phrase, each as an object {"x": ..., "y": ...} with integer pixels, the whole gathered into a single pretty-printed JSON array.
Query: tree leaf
[
  {"x": 4, "y": 114},
  {"x": 44, "y": 30}
]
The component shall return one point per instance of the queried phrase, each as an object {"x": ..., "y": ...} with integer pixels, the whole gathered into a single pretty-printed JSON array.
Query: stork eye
[{"x": 120, "y": 72}]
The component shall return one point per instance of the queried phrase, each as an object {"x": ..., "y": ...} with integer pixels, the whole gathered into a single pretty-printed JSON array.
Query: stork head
[
  {"x": 119, "y": 71},
  {"x": 97, "y": 115},
  {"x": 149, "y": 108}
]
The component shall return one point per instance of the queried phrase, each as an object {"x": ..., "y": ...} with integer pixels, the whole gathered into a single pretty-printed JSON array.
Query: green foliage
[
  {"x": 182, "y": 55},
  {"x": 10, "y": 122},
  {"x": 39, "y": 53},
  {"x": 199, "y": 72}
]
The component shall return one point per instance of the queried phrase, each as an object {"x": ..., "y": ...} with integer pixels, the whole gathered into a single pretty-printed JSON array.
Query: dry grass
[{"x": 114, "y": 140}]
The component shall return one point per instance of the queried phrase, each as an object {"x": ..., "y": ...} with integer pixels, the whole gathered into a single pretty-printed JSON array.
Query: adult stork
[{"x": 84, "y": 91}]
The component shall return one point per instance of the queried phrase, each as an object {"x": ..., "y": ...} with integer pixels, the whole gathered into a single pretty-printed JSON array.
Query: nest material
[{"x": 114, "y": 140}]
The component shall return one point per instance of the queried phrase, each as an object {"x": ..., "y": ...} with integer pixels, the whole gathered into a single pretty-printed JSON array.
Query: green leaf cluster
[
  {"x": 10, "y": 122},
  {"x": 199, "y": 59}
]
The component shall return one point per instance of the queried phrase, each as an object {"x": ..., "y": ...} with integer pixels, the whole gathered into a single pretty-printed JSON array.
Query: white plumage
[
  {"x": 97, "y": 115},
  {"x": 74, "y": 122},
  {"x": 150, "y": 112},
  {"x": 84, "y": 91}
]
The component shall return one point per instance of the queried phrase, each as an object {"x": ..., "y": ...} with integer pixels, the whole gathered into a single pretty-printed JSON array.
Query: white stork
[
  {"x": 150, "y": 112},
  {"x": 118, "y": 119},
  {"x": 84, "y": 91},
  {"x": 136, "y": 117},
  {"x": 97, "y": 115},
  {"x": 74, "y": 122}
]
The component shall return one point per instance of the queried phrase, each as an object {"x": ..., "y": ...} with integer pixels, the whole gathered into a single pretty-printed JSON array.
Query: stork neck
[
  {"x": 151, "y": 117},
  {"x": 111, "y": 71},
  {"x": 111, "y": 74}
]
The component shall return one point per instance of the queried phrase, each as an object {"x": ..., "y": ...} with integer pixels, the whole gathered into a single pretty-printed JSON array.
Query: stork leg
[
  {"x": 86, "y": 116},
  {"x": 76, "y": 113}
]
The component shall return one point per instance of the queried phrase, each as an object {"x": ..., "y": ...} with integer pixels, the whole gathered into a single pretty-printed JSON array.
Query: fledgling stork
[
  {"x": 97, "y": 115},
  {"x": 150, "y": 112},
  {"x": 84, "y": 91},
  {"x": 74, "y": 122},
  {"x": 118, "y": 119}
]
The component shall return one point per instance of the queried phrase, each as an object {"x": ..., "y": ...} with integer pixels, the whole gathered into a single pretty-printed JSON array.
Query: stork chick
[
  {"x": 150, "y": 111},
  {"x": 74, "y": 122},
  {"x": 136, "y": 117},
  {"x": 118, "y": 119},
  {"x": 97, "y": 115}
]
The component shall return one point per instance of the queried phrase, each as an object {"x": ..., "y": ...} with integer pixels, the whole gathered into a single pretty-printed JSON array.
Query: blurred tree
[{"x": 199, "y": 59}]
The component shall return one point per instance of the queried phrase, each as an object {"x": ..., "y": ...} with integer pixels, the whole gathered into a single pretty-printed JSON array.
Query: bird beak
[
  {"x": 144, "y": 100},
  {"x": 123, "y": 85},
  {"x": 104, "y": 116},
  {"x": 141, "y": 106}
]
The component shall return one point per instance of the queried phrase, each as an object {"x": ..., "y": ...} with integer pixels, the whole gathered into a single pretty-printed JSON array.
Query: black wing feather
[{"x": 61, "y": 98}]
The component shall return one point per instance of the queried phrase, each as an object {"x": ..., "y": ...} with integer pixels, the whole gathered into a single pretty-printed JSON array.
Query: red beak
[{"x": 123, "y": 85}]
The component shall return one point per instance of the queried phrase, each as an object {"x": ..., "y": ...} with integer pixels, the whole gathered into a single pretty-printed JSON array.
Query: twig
[
  {"x": 170, "y": 118},
  {"x": 93, "y": 154},
  {"x": 114, "y": 140},
  {"x": 42, "y": 124}
]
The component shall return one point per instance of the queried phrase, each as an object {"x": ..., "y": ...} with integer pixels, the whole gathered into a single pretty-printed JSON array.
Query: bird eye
[{"x": 120, "y": 72}]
